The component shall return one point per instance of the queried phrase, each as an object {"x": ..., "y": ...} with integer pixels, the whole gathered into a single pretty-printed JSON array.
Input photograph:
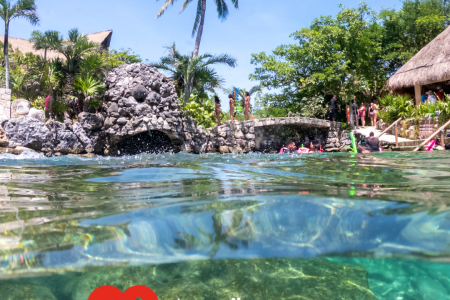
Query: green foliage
[
  {"x": 59, "y": 107},
  {"x": 88, "y": 85},
  {"x": 38, "y": 103},
  {"x": 188, "y": 72},
  {"x": 48, "y": 40},
  {"x": 395, "y": 107},
  {"x": 202, "y": 110},
  {"x": 351, "y": 54},
  {"x": 17, "y": 82},
  {"x": 95, "y": 103}
]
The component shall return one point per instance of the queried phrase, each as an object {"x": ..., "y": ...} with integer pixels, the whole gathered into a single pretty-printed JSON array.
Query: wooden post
[
  {"x": 392, "y": 125},
  {"x": 433, "y": 135},
  {"x": 418, "y": 93},
  {"x": 396, "y": 135}
]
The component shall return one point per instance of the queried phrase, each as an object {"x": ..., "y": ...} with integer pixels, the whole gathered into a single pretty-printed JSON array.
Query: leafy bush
[
  {"x": 38, "y": 103},
  {"x": 202, "y": 112},
  {"x": 395, "y": 107},
  {"x": 95, "y": 103},
  {"x": 59, "y": 107}
]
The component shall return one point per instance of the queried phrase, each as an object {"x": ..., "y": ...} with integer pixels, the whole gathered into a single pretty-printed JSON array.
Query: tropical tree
[
  {"x": 222, "y": 10},
  {"x": 186, "y": 70},
  {"x": 48, "y": 40},
  {"x": 88, "y": 86},
  {"x": 25, "y": 9},
  {"x": 75, "y": 48},
  {"x": 17, "y": 82}
]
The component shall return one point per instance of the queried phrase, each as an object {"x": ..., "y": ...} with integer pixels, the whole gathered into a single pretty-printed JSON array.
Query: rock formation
[{"x": 140, "y": 100}]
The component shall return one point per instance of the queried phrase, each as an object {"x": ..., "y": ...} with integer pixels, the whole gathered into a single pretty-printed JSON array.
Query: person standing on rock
[
  {"x": 334, "y": 107},
  {"x": 232, "y": 106},
  {"x": 355, "y": 114},
  {"x": 247, "y": 107},
  {"x": 217, "y": 109},
  {"x": 375, "y": 109},
  {"x": 362, "y": 113}
]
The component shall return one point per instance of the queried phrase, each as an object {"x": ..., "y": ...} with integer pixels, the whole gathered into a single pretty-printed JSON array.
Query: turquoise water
[{"x": 254, "y": 226}]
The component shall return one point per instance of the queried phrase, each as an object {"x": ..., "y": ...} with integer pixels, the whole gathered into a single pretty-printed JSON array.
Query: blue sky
[{"x": 258, "y": 25}]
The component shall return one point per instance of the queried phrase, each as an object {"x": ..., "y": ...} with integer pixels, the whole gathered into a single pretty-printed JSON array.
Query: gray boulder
[
  {"x": 28, "y": 132},
  {"x": 139, "y": 93},
  {"x": 81, "y": 134},
  {"x": 64, "y": 140},
  {"x": 90, "y": 121},
  {"x": 20, "y": 108},
  {"x": 37, "y": 114}
]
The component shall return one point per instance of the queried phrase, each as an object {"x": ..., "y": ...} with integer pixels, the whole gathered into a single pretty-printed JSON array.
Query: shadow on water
[{"x": 223, "y": 226}]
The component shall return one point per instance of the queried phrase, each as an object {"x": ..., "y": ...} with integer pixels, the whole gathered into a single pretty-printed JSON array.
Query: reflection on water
[{"x": 324, "y": 226}]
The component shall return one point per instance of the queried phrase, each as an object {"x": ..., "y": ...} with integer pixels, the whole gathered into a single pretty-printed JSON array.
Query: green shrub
[
  {"x": 394, "y": 107},
  {"x": 59, "y": 107},
  {"x": 95, "y": 103},
  {"x": 38, "y": 103}
]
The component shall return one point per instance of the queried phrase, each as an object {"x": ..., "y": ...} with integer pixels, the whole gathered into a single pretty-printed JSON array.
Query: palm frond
[
  {"x": 185, "y": 4},
  {"x": 164, "y": 7},
  {"x": 222, "y": 9},
  {"x": 198, "y": 16},
  {"x": 25, "y": 9}
]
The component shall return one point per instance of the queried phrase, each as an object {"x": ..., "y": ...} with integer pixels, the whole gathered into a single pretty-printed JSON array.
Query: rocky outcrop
[
  {"x": 28, "y": 132},
  {"x": 140, "y": 100}
]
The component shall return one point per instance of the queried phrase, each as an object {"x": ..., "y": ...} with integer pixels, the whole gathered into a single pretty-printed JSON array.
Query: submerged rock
[
  {"x": 274, "y": 278},
  {"x": 29, "y": 292}
]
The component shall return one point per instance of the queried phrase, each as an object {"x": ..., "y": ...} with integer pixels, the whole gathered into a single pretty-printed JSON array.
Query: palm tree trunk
[
  {"x": 45, "y": 54},
  {"x": 5, "y": 51},
  {"x": 187, "y": 92},
  {"x": 200, "y": 32}
]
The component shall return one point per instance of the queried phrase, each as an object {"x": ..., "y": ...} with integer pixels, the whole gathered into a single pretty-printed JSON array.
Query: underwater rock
[
  {"x": 10, "y": 291},
  {"x": 273, "y": 278}
]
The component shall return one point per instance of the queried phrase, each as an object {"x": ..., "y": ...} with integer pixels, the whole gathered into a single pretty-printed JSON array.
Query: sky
[{"x": 257, "y": 26}]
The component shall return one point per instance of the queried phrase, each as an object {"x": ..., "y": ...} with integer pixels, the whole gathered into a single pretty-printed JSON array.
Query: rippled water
[{"x": 255, "y": 226}]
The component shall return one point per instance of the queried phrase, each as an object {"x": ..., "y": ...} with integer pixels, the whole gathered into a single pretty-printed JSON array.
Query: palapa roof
[
  {"x": 103, "y": 38},
  {"x": 431, "y": 64}
]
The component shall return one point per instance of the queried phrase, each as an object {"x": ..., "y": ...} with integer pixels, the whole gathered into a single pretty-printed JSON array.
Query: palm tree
[
  {"x": 222, "y": 10},
  {"x": 88, "y": 86},
  {"x": 187, "y": 71},
  {"x": 75, "y": 48},
  {"x": 25, "y": 9},
  {"x": 252, "y": 91},
  {"x": 47, "y": 41}
]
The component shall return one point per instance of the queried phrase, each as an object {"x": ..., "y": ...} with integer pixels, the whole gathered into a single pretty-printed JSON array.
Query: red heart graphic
[{"x": 108, "y": 292}]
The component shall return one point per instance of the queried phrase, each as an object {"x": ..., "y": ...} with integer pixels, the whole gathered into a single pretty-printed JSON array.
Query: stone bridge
[{"x": 265, "y": 135}]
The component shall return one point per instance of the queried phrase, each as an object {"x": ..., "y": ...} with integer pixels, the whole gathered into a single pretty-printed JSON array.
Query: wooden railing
[
  {"x": 433, "y": 135},
  {"x": 396, "y": 131}
]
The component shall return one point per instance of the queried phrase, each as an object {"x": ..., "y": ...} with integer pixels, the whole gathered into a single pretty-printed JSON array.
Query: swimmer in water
[{"x": 289, "y": 149}]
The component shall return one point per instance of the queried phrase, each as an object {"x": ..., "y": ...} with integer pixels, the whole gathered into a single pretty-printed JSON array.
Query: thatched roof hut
[
  {"x": 103, "y": 38},
  {"x": 430, "y": 65}
]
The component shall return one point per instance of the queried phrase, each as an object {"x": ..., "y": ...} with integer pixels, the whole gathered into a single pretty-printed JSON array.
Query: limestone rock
[
  {"x": 3, "y": 139},
  {"x": 140, "y": 93},
  {"x": 28, "y": 132},
  {"x": 37, "y": 114},
  {"x": 20, "y": 107},
  {"x": 90, "y": 121},
  {"x": 82, "y": 137},
  {"x": 10, "y": 291},
  {"x": 294, "y": 278}
]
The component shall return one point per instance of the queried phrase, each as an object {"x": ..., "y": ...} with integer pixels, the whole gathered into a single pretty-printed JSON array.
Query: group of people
[
  {"x": 291, "y": 148},
  {"x": 355, "y": 112},
  {"x": 233, "y": 104},
  {"x": 431, "y": 97}
]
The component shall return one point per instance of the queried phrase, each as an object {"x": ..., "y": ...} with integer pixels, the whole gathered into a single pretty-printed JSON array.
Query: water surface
[{"x": 254, "y": 226}]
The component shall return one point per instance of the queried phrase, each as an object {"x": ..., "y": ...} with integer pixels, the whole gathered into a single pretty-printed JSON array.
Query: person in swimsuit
[
  {"x": 217, "y": 109},
  {"x": 232, "y": 106},
  {"x": 247, "y": 107},
  {"x": 348, "y": 114},
  {"x": 373, "y": 144},
  {"x": 289, "y": 149},
  {"x": 375, "y": 109},
  {"x": 362, "y": 113}
]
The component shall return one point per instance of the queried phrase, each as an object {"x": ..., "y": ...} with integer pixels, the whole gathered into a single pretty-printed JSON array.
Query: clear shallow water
[{"x": 324, "y": 226}]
